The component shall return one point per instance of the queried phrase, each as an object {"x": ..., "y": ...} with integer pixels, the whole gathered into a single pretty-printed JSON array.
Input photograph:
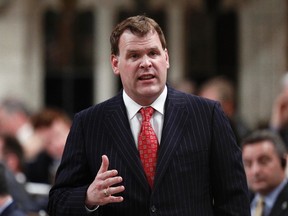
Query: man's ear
[
  {"x": 114, "y": 64},
  {"x": 167, "y": 58}
]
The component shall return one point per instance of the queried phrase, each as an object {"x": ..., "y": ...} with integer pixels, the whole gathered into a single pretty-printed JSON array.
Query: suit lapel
[
  {"x": 174, "y": 120},
  {"x": 118, "y": 126}
]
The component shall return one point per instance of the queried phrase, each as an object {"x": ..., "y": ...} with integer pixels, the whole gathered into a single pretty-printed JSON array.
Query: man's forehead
[
  {"x": 138, "y": 44},
  {"x": 262, "y": 147},
  {"x": 128, "y": 35}
]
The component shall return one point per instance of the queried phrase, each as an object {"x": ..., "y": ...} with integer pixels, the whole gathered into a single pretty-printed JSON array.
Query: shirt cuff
[{"x": 91, "y": 210}]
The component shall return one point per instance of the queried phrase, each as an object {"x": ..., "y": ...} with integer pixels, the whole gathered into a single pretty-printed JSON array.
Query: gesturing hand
[{"x": 101, "y": 190}]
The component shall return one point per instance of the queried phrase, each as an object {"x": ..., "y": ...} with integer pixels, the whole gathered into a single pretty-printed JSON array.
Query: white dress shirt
[{"x": 135, "y": 117}]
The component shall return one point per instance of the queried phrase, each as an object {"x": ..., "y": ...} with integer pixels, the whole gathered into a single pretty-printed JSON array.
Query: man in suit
[
  {"x": 198, "y": 169},
  {"x": 12, "y": 157},
  {"x": 222, "y": 89},
  {"x": 8, "y": 207},
  {"x": 264, "y": 156}
]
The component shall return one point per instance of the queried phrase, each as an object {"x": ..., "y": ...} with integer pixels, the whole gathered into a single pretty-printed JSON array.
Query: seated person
[
  {"x": 8, "y": 206},
  {"x": 264, "y": 157}
]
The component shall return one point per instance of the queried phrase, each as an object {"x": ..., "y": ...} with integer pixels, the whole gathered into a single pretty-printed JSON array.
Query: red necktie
[{"x": 148, "y": 144}]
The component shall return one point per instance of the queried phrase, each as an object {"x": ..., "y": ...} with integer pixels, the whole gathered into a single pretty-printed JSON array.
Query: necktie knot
[{"x": 146, "y": 113}]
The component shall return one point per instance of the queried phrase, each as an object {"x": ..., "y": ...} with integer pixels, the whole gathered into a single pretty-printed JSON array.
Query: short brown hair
[
  {"x": 267, "y": 135},
  {"x": 139, "y": 25},
  {"x": 47, "y": 116}
]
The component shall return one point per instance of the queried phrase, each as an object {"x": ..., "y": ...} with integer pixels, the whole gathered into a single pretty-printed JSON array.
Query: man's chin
[
  {"x": 259, "y": 188},
  {"x": 150, "y": 91}
]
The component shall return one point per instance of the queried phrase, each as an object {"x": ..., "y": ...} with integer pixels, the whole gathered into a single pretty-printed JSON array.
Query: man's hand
[{"x": 101, "y": 191}]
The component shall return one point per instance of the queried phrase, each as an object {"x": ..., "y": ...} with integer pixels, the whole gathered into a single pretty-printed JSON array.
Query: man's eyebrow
[
  {"x": 140, "y": 50},
  {"x": 132, "y": 51}
]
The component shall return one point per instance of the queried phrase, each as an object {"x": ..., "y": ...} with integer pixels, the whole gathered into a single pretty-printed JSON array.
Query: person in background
[
  {"x": 186, "y": 85},
  {"x": 222, "y": 89},
  {"x": 12, "y": 156},
  {"x": 264, "y": 157},
  {"x": 8, "y": 206},
  {"x": 15, "y": 121},
  {"x": 52, "y": 125},
  {"x": 279, "y": 115},
  {"x": 150, "y": 150}
]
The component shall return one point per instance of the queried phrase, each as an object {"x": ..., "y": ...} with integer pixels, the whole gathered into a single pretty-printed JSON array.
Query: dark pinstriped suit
[{"x": 198, "y": 161}]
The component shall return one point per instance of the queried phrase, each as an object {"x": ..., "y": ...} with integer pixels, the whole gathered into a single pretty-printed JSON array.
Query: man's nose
[
  {"x": 255, "y": 168},
  {"x": 145, "y": 62}
]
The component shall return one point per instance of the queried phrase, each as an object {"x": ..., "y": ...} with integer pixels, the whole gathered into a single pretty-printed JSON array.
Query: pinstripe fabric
[{"x": 198, "y": 173}]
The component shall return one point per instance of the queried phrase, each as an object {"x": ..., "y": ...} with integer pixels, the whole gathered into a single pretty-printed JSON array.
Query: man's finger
[{"x": 104, "y": 164}]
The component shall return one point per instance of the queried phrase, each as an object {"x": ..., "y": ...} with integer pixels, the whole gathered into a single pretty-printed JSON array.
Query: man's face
[
  {"x": 59, "y": 133},
  {"x": 142, "y": 65},
  {"x": 262, "y": 166},
  {"x": 7, "y": 122}
]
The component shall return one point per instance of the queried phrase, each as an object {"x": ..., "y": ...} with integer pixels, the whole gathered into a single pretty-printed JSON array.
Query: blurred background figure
[
  {"x": 12, "y": 157},
  {"x": 264, "y": 157},
  {"x": 15, "y": 121},
  {"x": 52, "y": 125},
  {"x": 279, "y": 115},
  {"x": 186, "y": 85},
  {"x": 12, "y": 154},
  {"x": 8, "y": 206},
  {"x": 223, "y": 90}
]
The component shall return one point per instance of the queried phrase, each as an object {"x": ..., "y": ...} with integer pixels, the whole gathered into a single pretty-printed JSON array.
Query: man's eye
[
  {"x": 153, "y": 53},
  {"x": 264, "y": 161},
  {"x": 134, "y": 56},
  {"x": 247, "y": 164}
]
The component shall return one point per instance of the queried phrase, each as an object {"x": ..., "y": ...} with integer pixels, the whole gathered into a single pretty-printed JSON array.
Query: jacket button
[{"x": 153, "y": 209}]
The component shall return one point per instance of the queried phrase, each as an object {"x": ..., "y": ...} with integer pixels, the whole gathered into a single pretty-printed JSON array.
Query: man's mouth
[{"x": 146, "y": 77}]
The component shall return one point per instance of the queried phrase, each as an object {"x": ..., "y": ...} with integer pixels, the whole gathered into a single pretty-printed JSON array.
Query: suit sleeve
[{"x": 229, "y": 186}]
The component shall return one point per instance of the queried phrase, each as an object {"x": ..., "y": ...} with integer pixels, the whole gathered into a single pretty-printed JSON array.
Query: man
[
  {"x": 12, "y": 156},
  {"x": 279, "y": 115},
  {"x": 222, "y": 89},
  {"x": 8, "y": 207},
  {"x": 11, "y": 152},
  {"x": 15, "y": 121},
  {"x": 199, "y": 169},
  {"x": 264, "y": 161},
  {"x": 52, "y": 125}
]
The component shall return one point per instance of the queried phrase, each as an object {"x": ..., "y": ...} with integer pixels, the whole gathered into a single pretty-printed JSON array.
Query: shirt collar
[
  {"x": 132, "y": 107},
  {"x": 271, "y": 198}
]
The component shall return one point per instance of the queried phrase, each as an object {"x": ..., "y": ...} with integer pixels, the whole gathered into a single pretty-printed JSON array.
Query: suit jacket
[
  {"x": 13, "y": 210},
  {"x": 199, "y": 169},
  {"x": 280, "y": 207}
]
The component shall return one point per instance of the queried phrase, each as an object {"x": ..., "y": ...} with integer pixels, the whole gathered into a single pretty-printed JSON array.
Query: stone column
[
  {"x": 175, "y": 41},
  {"x": 21, "y": 56},
  {"x": 263, "y": 42},
  {"x": 105, "y": 82}
]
